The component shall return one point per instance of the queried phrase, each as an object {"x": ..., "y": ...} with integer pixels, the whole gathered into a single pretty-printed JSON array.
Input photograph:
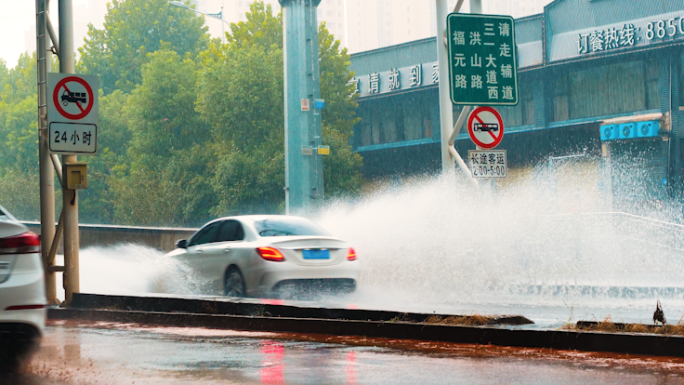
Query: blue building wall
[{"x": 569, "y": 87}]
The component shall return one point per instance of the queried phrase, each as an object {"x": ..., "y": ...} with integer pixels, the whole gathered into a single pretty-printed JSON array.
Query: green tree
[
  {"x": 162, "y": 110},
  {"x": 341, "y": 169},
  {"x": 20, "y": 135},
  {"x": 242, "y": 97},
  {"x": 169, "y": 167},
  {"x": 19, "y": 138},
  {"x": 97, "y": 202},
  {"x": 132, "y": 29},
  {"x": 4, "y": 74},
  {"x": 262, "y": 28},
  {"x": 21, "y": 80},
  {"x": 18, "y": 117}
]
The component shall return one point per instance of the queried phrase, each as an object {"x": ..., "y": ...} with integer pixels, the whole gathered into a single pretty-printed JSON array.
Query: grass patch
[
  {"x": 608, "y": 326},
  {"x": 471, "y": 320}
]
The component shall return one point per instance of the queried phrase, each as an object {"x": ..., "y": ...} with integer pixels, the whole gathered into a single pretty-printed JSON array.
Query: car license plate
[{"x": 316, "y": 254}]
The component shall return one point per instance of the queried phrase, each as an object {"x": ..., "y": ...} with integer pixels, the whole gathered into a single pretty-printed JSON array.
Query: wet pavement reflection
[{"x": 111, "y": 353}]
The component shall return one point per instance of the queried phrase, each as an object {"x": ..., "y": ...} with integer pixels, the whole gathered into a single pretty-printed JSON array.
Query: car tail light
[
  {"x": 20, "y": 244},
  {"x": 26, "y": 307},
  {"x": 270, "y": 254},
  {"x": 351, "y": 255}
]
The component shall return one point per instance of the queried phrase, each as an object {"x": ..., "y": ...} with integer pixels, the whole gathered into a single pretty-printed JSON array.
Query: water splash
[
  {"x": 549, "y": 242},
  {"x": 550, "y": 237},
  {"x": 131, "y": 269}
]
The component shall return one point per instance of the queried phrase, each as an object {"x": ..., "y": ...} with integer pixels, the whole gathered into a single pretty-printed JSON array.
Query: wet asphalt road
[{"x": 105, "y": 353}]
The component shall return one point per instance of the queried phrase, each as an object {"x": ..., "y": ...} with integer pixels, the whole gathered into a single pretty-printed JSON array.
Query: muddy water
[{"x": 106, "y": 353}]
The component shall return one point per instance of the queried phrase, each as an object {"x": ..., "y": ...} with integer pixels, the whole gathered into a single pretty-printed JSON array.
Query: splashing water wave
[
  {"x": 131, "y": 269},
  {"x": 439, "y": 243},
  {"x": 550, "y": 244}
]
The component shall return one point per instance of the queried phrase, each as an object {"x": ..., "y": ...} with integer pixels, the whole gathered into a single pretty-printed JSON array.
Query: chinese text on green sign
[{"x": 482, "y": 62}]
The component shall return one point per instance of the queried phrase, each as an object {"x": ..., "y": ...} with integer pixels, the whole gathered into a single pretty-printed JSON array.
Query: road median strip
[{"x": 393, "y": 328}]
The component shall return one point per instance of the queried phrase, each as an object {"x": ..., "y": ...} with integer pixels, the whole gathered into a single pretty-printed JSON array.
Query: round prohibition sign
[
  {"x": 62, "y": 84},
  {"x": 485, "y": 127}
]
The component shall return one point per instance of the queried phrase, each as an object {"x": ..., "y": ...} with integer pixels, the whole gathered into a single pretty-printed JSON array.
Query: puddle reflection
[{"x": 272, "y": 363}]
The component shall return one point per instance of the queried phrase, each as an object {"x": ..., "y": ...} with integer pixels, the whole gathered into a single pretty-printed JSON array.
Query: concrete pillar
[{"x": 303, "y": 167}]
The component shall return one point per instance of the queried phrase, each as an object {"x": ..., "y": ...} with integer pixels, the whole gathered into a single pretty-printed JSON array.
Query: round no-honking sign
[{"x": 485, "y": 127}]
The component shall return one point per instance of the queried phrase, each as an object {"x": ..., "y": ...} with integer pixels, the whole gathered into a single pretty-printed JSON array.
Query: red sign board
[
  {"x": 73, "y": 98},
  {"x": 485, "y": 127}
]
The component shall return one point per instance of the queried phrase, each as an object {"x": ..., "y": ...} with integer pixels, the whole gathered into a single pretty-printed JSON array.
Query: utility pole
[
  {"x": 475, "y": 6},
  {"x": 303, "y": 164},
  {"x": 446, "y": 117},
  {"x": 70, "y": 197},
  {"x": 47, "y": 177}
]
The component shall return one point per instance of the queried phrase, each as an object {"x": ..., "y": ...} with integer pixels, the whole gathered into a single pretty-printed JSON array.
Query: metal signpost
[
  {"x": 67, "y": 116},
  {"x": 482, "y": 62},
  {"x": 479, "y": 54}
]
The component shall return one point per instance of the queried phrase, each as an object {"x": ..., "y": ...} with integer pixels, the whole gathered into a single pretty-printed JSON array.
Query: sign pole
[
  {"x": 446, "y": 118},
  {"x": 70, "y": 197},
  {"x": 47, "y": 177},
  {"x": 449, "y": 153}
]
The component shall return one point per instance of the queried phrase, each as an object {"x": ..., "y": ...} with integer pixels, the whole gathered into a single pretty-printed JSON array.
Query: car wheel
[{"x": 234, "y": 284}]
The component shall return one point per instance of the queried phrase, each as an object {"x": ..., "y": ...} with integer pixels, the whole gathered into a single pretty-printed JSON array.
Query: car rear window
[{"x": 287, "y": 226}]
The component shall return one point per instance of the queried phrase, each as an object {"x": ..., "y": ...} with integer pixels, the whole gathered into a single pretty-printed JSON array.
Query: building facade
[{"x": 599, "y": 80}]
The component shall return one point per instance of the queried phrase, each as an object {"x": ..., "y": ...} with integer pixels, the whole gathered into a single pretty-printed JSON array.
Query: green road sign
[{"x": 482, "y": 64}]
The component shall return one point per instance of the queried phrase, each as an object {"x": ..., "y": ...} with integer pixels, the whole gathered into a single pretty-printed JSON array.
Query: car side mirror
[{"x": 182, "y": 244}]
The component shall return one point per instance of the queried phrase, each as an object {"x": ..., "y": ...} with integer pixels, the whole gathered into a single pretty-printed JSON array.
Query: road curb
[
  {"x": 254, "y": 307},
  {"x": 641, "y": 344}
]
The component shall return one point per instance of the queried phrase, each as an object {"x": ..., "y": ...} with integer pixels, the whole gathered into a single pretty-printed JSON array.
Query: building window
[
  {"x": 607, "y": 90},
  {"x": 681, "y": 81},
  {"x": 527, "y": 102},
  {"x": 389, "y": 125},
  {"x": 377, "y": 135},
  {"x": 427, "y": 127},
  {"x": 413, "y": 125},
  {"x": 561, "y": 98},
  {"x": 400, "y": 125},
  {"x": 651, "y": 70},
  {"x": 523, "y": 113},
  {"x": 366, "y": 133}
]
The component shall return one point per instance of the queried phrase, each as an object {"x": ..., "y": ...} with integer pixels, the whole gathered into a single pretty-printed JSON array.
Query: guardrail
[
  {"x": 162, "y": 238},
  {"x": 642, "y": 229}
]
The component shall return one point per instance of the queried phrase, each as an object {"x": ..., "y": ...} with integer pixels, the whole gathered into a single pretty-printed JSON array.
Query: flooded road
[{"x": 106, "y": 353}]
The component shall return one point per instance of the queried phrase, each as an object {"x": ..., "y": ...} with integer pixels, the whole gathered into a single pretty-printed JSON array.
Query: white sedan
[
  {"x": 22, "y": 289},
  {"x": 269, "y": 255}
]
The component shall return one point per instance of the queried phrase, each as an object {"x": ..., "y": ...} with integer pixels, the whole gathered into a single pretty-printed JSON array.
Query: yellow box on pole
[
  {"x": 75, "y": 175},
  {"x": 323, "y": 150}
]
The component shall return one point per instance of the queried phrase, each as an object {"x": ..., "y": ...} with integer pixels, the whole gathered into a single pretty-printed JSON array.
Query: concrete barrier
[
  {"x": 161, "y": 238},
  {"x": 267, "y": 318}
]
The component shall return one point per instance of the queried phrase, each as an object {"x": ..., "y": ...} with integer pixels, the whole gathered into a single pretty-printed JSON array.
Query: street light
[{"x": 218, "y": 16}]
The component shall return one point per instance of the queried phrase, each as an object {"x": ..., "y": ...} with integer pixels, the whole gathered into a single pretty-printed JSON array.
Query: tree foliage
[
  {"x": 242, "y": 95},
  {"x": 189, "y": 128},
  {"x": 132, "y": 29},
  {"x": 166, "y": 150}
]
